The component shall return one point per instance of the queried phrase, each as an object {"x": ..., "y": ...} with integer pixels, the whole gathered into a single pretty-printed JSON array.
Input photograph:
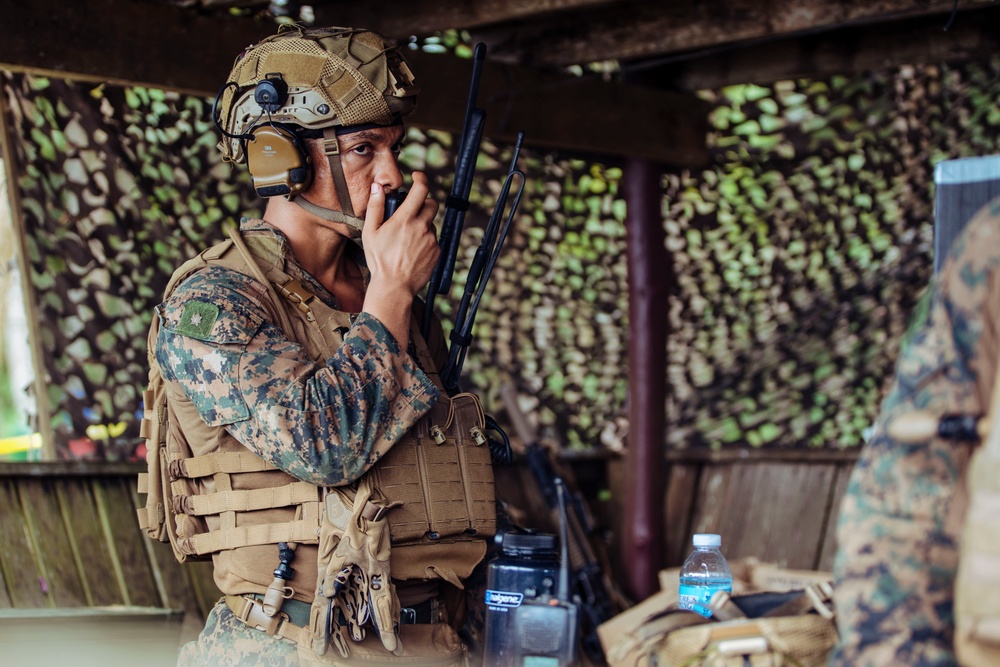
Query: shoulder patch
[
  {"x": 197, "y": 319},
  {"x": 214, "y": 305}
]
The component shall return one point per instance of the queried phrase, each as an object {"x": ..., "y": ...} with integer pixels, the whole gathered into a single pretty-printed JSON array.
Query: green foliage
[
  {"x": 12, "y": 422},
  {"x": 107, "y": 178}
]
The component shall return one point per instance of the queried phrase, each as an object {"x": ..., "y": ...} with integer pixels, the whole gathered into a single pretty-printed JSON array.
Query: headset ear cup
[{"x": 278, "y": 161}]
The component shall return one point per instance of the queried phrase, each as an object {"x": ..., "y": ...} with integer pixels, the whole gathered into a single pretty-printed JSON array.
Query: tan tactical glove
[{"x": 357, "y": 578}]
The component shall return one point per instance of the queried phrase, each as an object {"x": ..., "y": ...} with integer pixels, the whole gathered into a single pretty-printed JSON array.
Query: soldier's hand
[{"x": 401, "y": 251}]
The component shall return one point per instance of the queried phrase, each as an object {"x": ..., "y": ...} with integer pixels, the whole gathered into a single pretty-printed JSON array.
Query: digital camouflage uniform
[
  {"x": 227, "y": 641},
  {"x": 321, "y": 421},
  {"x": 901, "y": 519}
]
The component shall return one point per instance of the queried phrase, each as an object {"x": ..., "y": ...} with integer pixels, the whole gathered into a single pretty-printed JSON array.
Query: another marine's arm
[{"x": 902, "y": 514}]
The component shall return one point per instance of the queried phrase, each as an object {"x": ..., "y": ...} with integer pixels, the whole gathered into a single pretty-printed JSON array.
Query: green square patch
[{"x": 198, "y": 319}]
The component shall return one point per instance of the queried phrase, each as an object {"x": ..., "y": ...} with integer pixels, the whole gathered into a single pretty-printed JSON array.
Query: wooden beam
[
  {"x": 564, "y": 112},
  {"x": 123, "y": 41},
  {"x": 750, "y": 456},
  {"x": 85, "y": 469},
  {"x": 149, "y": 44},
  {"x": 652, "y": 28},
  {"x": 650, "y": 283},
  {"x": 974, "y": 36},
  {"x": 425, "y": 17}
]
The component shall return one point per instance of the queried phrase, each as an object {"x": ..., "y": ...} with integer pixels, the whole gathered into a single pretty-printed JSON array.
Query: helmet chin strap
[
  {"x": 332, "y": 150},
  {"x": 354, "y": 224}
]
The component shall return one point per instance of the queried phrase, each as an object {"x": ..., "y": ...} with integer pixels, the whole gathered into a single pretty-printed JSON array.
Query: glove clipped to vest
[{"x": 354, "y": 587}]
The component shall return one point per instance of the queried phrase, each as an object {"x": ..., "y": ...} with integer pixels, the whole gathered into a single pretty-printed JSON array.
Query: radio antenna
[{"x": 562, "y": 588}]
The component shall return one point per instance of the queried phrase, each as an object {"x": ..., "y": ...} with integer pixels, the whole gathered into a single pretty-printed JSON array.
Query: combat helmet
[{"x": 309, "y": 83}]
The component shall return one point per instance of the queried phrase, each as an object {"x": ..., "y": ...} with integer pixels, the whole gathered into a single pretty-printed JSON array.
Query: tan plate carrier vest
[{"x": 440, "y": 471}]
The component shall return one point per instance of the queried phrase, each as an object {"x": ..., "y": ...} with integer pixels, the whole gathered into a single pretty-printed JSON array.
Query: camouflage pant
[{"x": 228, "y": 642}]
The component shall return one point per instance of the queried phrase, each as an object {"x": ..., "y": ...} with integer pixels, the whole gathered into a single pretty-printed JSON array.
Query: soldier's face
[{"x": 367, "y": 156}]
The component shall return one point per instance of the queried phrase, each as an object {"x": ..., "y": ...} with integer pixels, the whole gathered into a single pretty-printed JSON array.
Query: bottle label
[
  {"x": 503, "y": 600},
  {"x": 695, "y": 598}
]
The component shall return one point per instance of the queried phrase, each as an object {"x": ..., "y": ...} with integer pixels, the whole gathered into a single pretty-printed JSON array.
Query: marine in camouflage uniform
[
  {"x": 239, "y": 378},
  {"x": 321, "y": 422},
  {"x": 902, "y": 515}
]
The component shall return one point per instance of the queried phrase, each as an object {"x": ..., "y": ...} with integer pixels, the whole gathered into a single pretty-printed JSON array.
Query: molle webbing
[
  {"x": 442, "y": 473},
  {"x": 245, "y": 500},
  {"x": 228, "y": 462},
  {"x": 300, "y": 532},
  {"x": 153, "y": 428},
  {"x": 189, "y": 504}
]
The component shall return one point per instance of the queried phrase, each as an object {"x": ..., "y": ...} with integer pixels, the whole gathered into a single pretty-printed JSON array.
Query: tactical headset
[{"x": 277, "y": 158}]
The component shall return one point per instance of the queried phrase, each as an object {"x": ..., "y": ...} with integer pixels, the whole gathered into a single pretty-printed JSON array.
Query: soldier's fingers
[
  {"x": 420, "y": 185},
  {"x": 417, "y": 195},
  {"x": 376, "y": 208}
]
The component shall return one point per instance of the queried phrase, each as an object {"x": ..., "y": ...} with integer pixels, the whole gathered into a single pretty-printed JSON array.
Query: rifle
[{"x": 600, "y": 599}]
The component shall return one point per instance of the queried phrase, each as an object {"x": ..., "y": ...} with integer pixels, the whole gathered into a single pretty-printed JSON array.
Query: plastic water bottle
[{"x": 704, "y": 572}]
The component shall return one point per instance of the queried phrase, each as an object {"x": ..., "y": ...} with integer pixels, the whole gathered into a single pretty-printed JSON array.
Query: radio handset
[{"x": 392, "y": 202}]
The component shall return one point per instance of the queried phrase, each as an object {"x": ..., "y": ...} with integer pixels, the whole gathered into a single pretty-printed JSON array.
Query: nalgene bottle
[
  {"x": 704, "y": 572},
  {"x": 526, "y": 568}
]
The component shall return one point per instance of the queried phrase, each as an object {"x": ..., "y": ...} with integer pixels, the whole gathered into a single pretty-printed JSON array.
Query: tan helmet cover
[{"x": 335, "y": 77}]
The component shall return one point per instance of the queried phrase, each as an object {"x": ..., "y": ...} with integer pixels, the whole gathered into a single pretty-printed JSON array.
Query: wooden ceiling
[{"x": 638, "y": 102}]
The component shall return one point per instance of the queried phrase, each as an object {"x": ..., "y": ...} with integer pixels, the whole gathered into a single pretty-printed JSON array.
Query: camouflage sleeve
[
  {"x": 901, "y": 518},
  {"x": 325, "y": 423}
]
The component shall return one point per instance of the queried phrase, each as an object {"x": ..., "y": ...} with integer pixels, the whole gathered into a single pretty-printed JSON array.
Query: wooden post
[{"x": 650, "y": 280}]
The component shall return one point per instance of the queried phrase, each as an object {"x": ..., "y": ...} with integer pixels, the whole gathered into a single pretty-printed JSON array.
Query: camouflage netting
[
  {"x": 801, "y": 254},
  {"x": 118, "y": 186}
]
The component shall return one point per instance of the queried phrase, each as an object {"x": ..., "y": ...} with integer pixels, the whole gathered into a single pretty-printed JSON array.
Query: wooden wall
[
  {"x": 779, "y": 507},
  {"x": 69, "y": 537}
]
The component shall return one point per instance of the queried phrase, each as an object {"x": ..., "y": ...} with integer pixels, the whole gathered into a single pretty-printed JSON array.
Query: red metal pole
[{"x": 650, "y": 279}]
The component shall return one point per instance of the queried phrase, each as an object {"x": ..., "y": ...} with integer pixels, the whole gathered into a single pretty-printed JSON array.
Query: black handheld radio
[
  {"x": 392, "y": 202},
  {"x": 531, "y": 619}
]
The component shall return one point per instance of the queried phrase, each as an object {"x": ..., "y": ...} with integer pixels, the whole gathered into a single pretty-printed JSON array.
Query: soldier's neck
[{"x": 321, "y": 248}]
